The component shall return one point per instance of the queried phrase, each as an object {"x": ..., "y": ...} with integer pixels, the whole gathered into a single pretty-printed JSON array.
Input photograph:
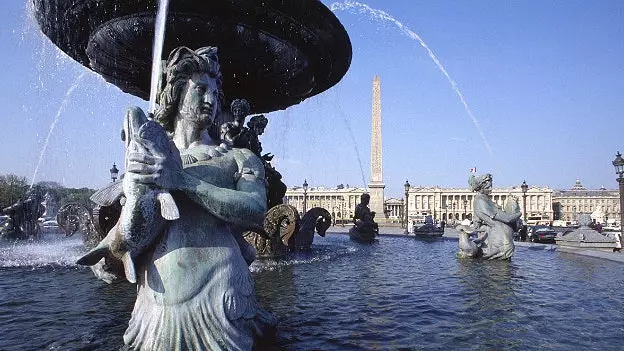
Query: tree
[
  {"x": 12, "y": 188},
  {"x": 77, "y": 196}
]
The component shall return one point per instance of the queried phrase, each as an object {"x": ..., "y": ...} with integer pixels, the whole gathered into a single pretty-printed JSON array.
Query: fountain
[
  {"x": 186, "y": 252},
  {"x": 585, "y": 237},
  {"x": 400, "y": 294}
]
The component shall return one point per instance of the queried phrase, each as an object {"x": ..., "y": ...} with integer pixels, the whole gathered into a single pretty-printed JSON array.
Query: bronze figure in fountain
[
  {"x": 365, "y": 229},
  {"x": 195, "y": 290},
  {"x": 493, "y": 224},
  {"x": 23, "y": 217}
]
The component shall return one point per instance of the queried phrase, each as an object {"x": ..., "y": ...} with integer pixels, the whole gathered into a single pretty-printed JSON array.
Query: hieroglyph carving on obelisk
[{"x": 376, "y": 185}]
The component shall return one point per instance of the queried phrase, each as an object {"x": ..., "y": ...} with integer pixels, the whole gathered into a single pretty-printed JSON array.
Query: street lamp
[
  {"x": 465, "y": 203},
  {"x": 524, "y": 188},
  {"x": 618, "y": 163},
  {"x": 401, "y": 214},
  {"x": 342, "y": 216},
  {"x": 407, "y": 188},
  {"x": 113, "y": 173},
  {"x": 305, "y": 196},
  {"x": 453, "y": 214}
]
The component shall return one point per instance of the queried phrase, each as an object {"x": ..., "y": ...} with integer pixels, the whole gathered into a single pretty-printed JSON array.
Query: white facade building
[{"x": 456, "y": 204}]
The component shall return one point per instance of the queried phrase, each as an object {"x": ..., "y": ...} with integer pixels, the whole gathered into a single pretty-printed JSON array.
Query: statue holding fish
[{"x": 188, "y": 196}]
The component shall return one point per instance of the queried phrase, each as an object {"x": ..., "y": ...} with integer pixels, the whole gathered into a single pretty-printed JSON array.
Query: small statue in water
[
  {"x": 23, "y": 217},
  {"x": 495, "y": 225},
  {"x": 195, "y": 290},
  {"x": 365, "y": 228}
]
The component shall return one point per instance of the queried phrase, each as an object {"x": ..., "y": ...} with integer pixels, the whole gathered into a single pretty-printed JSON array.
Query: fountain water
[
  {"x": 53, "y": 248},
  {"x": 54, "y": 122},
  {"x": 353, "y": 140},
  {"x": 159, "y": 39},
  {"x": 355, "y": 6}
]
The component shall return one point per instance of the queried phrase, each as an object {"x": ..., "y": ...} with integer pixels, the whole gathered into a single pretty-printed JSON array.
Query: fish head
[
  {"x": 134, "y": 119},
  {"x": 155, "y": 138}
]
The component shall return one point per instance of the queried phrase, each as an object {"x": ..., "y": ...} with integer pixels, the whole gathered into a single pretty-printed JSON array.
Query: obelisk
[{"x": 376, "y": 185}]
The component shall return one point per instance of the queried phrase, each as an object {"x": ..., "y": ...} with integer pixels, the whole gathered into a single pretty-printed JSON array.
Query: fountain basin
[
  {"x": 398, "y": 293},
  {"x": 273, "y": 53}
]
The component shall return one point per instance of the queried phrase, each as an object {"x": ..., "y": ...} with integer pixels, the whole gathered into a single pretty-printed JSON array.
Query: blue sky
[{"x": 544, "y": 81}]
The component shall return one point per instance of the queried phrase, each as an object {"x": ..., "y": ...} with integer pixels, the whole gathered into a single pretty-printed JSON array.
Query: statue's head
[
  {"x": 257, "y": 124},
  {"x": 240, "y": 109},
  {"x": 482, "y": 183},
  {"x": 365, "y": 199},
  {"x": 192, "y": 87}
]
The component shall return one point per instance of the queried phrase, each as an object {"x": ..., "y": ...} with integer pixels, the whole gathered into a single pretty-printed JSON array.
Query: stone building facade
[
  {"x": 340, "y": 202},
  {"x": 602, "y": 204},
  {"x": 452, "y": 204},
  {"x": 456, "y": 204}
]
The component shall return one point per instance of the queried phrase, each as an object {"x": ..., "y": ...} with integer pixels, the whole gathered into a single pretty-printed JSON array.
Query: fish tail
[
  {"x": 129, "y": 269},
  {"x": 94, "y": 256},
  {"x": 168, "y": 207}
]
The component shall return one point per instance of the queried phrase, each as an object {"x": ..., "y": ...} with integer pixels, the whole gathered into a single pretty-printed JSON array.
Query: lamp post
[
  {"x": 453, "y": 214},
  {"x": 305, "y": 196},
  {"x": 342, "y": 216},
  {"x": 113, "y": 173},
  {"x": 524, "y": 188},
  {"x": 465, "y": 203},
  {"x": 618, "y": 163},
  {"x": 407, "y": 188}
]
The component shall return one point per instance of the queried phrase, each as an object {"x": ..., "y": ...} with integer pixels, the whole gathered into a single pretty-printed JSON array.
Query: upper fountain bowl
[{"x": 274, "y": 53}]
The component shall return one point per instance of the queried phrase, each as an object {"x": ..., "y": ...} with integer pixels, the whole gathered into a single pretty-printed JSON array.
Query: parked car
[{"x": 542, "y": 234}]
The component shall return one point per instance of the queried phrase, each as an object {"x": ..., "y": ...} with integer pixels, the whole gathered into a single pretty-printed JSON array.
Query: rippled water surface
[{"x": 398, "y": 294}]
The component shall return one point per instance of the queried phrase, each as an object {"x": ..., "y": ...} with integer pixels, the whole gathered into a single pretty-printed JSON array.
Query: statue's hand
[{"x": 164, "y": 172}]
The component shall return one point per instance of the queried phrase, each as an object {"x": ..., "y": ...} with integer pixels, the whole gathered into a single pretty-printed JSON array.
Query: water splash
[
  {"x": 354, "y": 142},
  {"x": 383, "y": 16},
  {"x": 53, "y": 249},
  {"x": 53, "y": 125},
  {"x": 159, "y": 37},
  {"x": 318, "y": 253}
]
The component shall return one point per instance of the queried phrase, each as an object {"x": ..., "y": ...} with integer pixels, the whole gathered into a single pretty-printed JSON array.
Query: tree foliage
[{"x": 13, "y": 187}]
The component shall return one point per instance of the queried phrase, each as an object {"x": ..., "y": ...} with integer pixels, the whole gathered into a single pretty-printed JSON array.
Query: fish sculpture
[{"x": 147, "y": 208}]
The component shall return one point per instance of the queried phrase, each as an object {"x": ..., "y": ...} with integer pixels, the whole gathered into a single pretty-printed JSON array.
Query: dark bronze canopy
[{"x": 274, "y": 53}]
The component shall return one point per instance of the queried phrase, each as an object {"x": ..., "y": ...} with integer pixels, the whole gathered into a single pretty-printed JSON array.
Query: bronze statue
[
  {"x": 234, "y": 134},
  {"x": 231, "y": 131},
  {"x": 318, "y": 220},
  {"x": 495, "y": 225},
  {"x": 23, "y": 217},
  {"x": 365, "y": 229},
  {"x": 195, "y": 290}
]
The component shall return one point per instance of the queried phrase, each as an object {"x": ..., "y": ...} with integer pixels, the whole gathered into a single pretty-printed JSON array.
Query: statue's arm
[
  {"x": 489, "y": 213},
  {"x": 244, "y": 206},
  {"x": 506, "y": 217}
]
